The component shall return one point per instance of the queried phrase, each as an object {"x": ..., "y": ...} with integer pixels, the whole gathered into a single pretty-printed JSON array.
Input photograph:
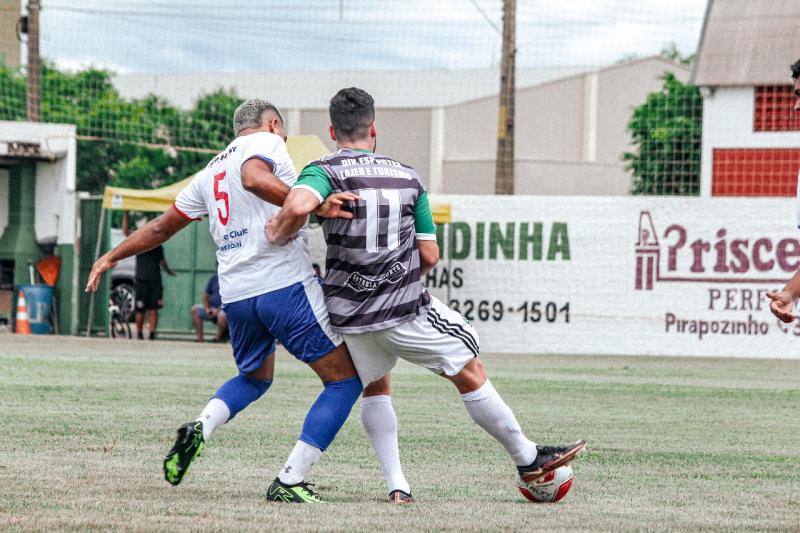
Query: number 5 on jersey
[
  {"x": 222, "y": 195},
  {"x": 373, "y": 197}
]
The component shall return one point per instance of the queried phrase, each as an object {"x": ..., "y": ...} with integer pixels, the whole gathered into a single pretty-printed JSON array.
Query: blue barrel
[{"x": 39, "y": 299}]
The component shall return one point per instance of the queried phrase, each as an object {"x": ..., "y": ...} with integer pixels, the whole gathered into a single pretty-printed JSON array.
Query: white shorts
[{"x": 440, "y": 340}]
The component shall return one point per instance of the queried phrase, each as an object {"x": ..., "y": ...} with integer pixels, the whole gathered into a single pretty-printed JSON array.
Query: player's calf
[{"x": 489, "y": 411}]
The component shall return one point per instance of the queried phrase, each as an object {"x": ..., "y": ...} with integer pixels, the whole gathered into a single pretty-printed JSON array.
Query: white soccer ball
[{"x": 551, "y": 487}]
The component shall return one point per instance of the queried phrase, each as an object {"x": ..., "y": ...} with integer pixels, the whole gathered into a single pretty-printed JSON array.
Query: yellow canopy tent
[{"x": 302, "y": 149}]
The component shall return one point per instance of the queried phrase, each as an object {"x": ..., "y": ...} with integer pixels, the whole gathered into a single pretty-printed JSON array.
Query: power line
[{"x": 487, "y": 18}]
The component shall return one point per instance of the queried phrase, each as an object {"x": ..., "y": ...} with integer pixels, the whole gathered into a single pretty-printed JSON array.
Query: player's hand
[
  {"x": 332, "y": 206},
  {"x": 782, "y": 306},
  {"x": 100, "y": 266},
  {"x": 271, "y": 230}
]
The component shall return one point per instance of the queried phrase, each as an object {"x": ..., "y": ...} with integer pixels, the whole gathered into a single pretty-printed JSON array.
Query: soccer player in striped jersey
[
  {"x": 375, "y": 297},
  {"x": 268, "y": 293}
]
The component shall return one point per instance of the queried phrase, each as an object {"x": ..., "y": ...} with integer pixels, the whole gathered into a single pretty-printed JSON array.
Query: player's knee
[
  {"x": 347, "y": 389},
  {"x": 381, "y": 387},
  {"x": 260, "y": 386},
  {"x": 241, "y": 391}
]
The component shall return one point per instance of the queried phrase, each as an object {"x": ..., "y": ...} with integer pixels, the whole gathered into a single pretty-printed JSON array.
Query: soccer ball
[{"x": 551, "y": 487}]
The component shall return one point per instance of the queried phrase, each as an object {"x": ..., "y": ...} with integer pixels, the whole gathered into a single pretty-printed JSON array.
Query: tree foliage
[
  {"x": 114, "y": 132},
  {"x": 665, "y": 131}
]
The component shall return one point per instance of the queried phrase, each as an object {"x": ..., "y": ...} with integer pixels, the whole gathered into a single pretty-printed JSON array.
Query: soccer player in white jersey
[
  {"x": 375, "y": 297},
  {"x": 268, "y": 292},
  {"x": 783, "y": 301}
]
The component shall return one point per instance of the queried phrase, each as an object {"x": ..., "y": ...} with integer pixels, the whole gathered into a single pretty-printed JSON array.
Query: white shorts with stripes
[{"x": 440, "y": 340}]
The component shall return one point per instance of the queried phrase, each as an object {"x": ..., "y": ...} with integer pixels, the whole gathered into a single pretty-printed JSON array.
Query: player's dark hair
[
  {"x": 352, "y": 110},
  {"x": 795, "y": 69}
]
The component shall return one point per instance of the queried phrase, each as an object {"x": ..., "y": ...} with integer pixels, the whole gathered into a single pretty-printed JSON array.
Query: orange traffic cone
[{"x": 23, "y": 324}]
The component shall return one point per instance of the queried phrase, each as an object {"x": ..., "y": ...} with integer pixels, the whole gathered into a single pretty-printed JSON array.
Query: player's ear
[
  {"x": 372, "y": 132},
  {"x": 331, "y": 132}
]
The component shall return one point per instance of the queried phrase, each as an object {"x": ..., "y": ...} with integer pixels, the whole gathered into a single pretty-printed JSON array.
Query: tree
[
  {"x": 666, "y": 132},
  {"x": 116, "y": 136}
]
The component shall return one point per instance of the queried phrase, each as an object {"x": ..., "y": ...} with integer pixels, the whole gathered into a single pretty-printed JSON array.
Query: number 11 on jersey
[{"x": 373, "y": 197}]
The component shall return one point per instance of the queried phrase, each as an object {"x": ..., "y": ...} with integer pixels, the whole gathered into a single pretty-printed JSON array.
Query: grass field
[{"x": 673, "y": 444}]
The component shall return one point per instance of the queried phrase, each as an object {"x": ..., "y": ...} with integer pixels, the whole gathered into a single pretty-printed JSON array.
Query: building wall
[
  {"x": 536, "y": 177},
  {"x": 9, "y": 44},
  {"x": 570, "y": 133},
  {"x": 55, "y": 181},
  {"x": 549, "y": 121},
  {"x": 619, "y": 90},
  {"x": 728, "y": 117},
  {"x": 403, "y": 134},
  {"x": 3, "y": 200}
]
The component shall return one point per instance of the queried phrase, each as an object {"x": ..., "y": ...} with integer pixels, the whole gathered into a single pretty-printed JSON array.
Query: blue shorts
[{"x": 295, "y": 315}]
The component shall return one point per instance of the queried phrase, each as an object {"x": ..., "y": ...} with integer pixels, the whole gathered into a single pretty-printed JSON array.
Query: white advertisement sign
[{"x": 600, "y": 275}]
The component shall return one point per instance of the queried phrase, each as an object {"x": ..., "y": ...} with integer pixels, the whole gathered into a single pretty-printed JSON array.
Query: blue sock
[
  {"x": 241, "y": 391},
  {"x": 329, "y": 412}
]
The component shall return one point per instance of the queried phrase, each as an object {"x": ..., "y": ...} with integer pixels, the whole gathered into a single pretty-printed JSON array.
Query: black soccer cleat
[
  {"x": 297, "y": 493},
  {"x": 399, "y": 497},
  {"x": 549, "y": 458},
  {"x": 188, "y": 445}
]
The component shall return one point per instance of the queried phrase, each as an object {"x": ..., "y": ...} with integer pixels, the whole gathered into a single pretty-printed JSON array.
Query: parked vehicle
[{"x": 122, "y": 293}]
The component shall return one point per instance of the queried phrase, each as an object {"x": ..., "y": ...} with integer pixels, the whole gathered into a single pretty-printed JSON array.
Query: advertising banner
[{"x": 621, "y": 275}]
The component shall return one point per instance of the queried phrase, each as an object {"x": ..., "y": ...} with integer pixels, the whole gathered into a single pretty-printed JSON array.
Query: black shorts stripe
[
  {"x": 452, "y": 325},
  {"x": 452, "y": 332}
]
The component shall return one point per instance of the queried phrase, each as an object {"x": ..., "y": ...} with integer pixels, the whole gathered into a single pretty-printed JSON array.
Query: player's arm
[
  {"x": 426, "y": 234},
  {"x": 163, "y": 263},
  {"x": 311, "y": 193},
  {"x": 292, "y": 216},
  {"x": 782, "y": 305},
  {"x": 258, "y": 179},
  {"x": 155, "y": 232}
]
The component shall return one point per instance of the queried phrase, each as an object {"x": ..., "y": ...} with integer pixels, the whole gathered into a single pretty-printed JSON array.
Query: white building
[
  {"x": 751, "y": 136},
  {"x": 571, "y": 124}
]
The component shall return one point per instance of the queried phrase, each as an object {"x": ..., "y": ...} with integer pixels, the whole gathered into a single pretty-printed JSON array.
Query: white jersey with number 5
[{"x": 248, "y": 264}]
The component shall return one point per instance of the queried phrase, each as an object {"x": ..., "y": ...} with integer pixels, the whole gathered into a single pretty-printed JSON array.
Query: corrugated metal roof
[{"x": 748, "y": 42}]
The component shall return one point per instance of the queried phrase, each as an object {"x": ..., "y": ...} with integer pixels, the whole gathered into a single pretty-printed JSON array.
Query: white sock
[
  {"x": 214, "y": 415},
  {"x": 300, "y": 461},
  {"x": 380, "y": 422},
  {"x": 490, "y": 412}
]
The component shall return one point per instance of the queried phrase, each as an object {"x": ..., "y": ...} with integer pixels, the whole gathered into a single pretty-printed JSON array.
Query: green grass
[{"x": 673, "y": 444}]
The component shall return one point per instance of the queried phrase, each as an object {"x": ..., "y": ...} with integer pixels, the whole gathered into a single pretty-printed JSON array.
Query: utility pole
[
  {"x": 34, "y": 66},
  {"x": 504, "y": 169}
]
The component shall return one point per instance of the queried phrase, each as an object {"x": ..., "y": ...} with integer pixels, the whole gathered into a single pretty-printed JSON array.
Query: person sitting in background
[{"x": 210, "y": 309}]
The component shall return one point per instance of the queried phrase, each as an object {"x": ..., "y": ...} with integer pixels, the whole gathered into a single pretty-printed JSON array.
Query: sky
[{"x": 162, "y": 36}]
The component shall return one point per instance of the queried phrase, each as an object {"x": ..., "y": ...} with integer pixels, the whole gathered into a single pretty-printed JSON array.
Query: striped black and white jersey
[{"x": 373, "y": 266}]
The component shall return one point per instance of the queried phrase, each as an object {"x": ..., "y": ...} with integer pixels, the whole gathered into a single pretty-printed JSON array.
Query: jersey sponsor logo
[
  {"x": 361, "y": 283},
  {"x": 221, "y": 157},
  {"x": 233, "y": 239}
]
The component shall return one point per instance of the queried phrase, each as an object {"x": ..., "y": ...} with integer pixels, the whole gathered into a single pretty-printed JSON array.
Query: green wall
[{"x": 192, "y": 255}]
